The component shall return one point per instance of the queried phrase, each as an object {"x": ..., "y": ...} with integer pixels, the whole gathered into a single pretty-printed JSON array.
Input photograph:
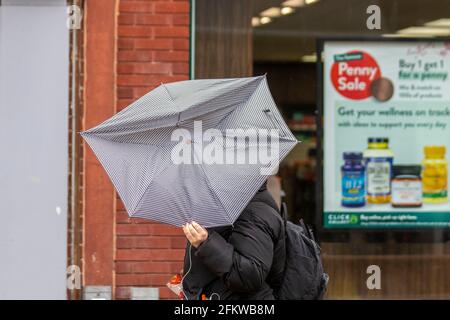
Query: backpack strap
[{"x": 284, "y": 212}]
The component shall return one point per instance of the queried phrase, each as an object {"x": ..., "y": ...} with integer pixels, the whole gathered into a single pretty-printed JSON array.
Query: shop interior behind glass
[{"x": 236, "y": 38}]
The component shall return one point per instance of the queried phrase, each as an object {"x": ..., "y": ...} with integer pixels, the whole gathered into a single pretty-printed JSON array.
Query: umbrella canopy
[{"x": 193, "y": 150}]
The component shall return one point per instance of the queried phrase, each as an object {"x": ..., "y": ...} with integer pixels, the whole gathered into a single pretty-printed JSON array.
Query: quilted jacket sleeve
[{"x": 245, "y": 260}]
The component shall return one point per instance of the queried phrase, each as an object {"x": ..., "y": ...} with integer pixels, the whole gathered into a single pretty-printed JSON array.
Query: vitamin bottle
[
  {"x": 406, "y": 186},
  {"x": 434, "y": 175},
  {"x": 378, "y": 161},
  {"x": 353, "y": 185}
]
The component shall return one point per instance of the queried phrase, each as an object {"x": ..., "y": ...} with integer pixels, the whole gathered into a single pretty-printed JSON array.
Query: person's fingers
[
  {"x": 188, "y": 234},
  {"x": 197, "y": 227},
  {"x": 190, "y": 238},
  {"x": 201, "y": 231},
  {"x": 193, "y": 232}
]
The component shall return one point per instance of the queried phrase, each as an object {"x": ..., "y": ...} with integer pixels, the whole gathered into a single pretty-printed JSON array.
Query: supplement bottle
[
  {"x": 406, "y": 186},
  {"x": 434, "y": 175},
  {"x": 378, "y": 161},
  {"x": 353, "y": 185}
]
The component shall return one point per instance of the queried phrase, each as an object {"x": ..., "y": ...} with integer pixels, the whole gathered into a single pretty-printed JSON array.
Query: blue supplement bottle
[{"x": 353, "y": 180}]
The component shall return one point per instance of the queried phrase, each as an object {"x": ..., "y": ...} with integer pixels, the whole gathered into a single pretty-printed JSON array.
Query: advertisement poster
[{"x": 386, "y": 134}]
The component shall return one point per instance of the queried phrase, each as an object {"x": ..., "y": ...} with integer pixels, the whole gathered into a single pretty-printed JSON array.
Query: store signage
[{"x": 386, "y": 134}]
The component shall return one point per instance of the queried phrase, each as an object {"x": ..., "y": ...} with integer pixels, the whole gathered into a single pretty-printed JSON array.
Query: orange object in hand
[
  {"x": 176, "y": 286},
  {"x": 176, "y": 279}
]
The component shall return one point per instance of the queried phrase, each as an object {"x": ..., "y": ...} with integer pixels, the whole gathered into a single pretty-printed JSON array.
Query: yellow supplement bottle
[
  {"x": 378, "y": 159},
  {"x": 434, "y": 175}
]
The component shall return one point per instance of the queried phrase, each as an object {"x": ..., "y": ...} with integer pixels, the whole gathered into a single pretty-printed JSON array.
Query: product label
[
  {"x": 353, "y": 188},
  {"x": 406, "y": 192},
  {"x": 435, "y": 194},
  {"x": 435, "y": 181},
  {"x": 379, "y": 176}
]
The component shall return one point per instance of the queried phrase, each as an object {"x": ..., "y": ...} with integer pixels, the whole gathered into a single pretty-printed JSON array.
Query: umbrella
[{"x": 193, "y": 150}]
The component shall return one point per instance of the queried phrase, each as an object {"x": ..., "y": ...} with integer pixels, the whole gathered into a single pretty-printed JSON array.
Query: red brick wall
[{"x": 153, "y": 47}]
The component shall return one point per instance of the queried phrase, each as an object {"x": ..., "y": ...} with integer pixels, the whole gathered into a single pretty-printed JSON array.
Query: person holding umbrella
[
  {"x": 240, "y": 262},
  {"x": 232, "y": 223}
]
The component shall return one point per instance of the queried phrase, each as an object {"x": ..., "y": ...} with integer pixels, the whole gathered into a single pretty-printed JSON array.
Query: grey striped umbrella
[{"x": 193, "y": 150}]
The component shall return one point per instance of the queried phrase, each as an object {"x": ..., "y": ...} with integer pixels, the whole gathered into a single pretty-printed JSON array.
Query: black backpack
[{"x": 304, "y": 277}]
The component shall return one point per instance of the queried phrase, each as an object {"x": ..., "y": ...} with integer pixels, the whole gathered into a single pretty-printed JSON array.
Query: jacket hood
[{"x": 263, "y": 187}]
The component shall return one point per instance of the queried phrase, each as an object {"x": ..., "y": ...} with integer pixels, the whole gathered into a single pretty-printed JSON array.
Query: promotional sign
[{"x": 386, "y": 134}]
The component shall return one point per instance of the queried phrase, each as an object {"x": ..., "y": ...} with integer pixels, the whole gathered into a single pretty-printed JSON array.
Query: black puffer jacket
[{"x": 245, "y": 261}]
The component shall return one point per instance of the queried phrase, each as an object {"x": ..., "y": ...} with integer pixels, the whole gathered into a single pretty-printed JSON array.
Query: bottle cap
[
  {"x": 378, "y": 140},
  {"x": 436, "y": 152},
  {"x": 407, "y": 170},
  {"x": 353, "y": 155}
]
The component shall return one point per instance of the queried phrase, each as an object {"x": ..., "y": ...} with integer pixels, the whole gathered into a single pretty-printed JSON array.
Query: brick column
[
  {"x": 100, "y": 101},
  {"x": 153, "y": 47}
]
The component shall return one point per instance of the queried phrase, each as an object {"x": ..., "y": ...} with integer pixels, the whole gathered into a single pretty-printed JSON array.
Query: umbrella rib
[
  {"x": 215, "y": 195},
  {"x": 142, "y": 196},
  {"x": 207, "y": 101},
  {"x": 85, "y": 134},
  {"x": 248, "y": 97},
  {"x": 212, "y": 191},
  {"x": 173, "y": 102},
  {"x": 179, "y": 215}
]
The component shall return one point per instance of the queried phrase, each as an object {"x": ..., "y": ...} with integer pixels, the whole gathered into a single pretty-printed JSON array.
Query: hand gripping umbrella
[{"x": 193, "y": 150}]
